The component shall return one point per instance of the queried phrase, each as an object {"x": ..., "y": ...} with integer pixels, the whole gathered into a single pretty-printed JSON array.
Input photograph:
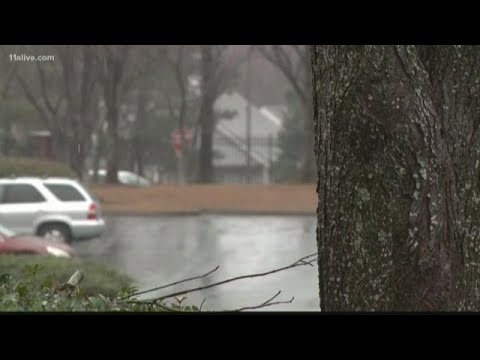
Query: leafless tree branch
[
  {"x": 172, "y": 284},
  {"x": 33, "y": 100},
  {"x": 201, "y": 305},
  {"x": 43, "y": 87},
  {"x": 306, "y": 260},
  {"x": 278, "y": 56},
  {"x": 10, "y": 77},
  {"x": 267, "y": 303}
]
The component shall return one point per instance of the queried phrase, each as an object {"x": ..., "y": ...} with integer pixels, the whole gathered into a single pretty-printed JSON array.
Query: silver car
[{"x": 56, "y": 208}]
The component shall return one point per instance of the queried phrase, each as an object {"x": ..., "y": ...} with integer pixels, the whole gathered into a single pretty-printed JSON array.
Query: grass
[
  {"x": 99, "y": 277},
  {"x": 157, "y": 199}
]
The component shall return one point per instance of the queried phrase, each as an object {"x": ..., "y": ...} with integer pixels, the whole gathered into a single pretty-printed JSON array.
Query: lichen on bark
[{"x": 397, "y": 152}]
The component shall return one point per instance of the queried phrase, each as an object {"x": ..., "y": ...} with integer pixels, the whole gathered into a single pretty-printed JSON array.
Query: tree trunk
[
  {"x": 99, "y": 152},
  {"x": 113, "y": 76},
  {"x": 308, "y": 169},
  {"x": 139, "y": 127},
  {"x": 78, "y": 77},
  {"x": 60, "y": 147},
  {"x": 112, "y": 131},
  {"x": 397, "y": 149},
  {"x": 205, "y": 174},
  {"x": 7, "y": 143}
]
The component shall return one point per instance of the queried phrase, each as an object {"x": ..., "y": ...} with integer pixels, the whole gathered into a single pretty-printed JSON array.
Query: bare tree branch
[
  {"x": 201, "y": 305},
  {"x": 172, "y": 284},
  {"x": 43, "y": 87},
  {"x": 10, "y": 77},
  {"x": 278, "y": 56},
  {"x": 33, "y": 100},
  {"x": 269, "y": 302},
  {"x": 301, "y": 53},
  {"x": 306, "y": 260}
]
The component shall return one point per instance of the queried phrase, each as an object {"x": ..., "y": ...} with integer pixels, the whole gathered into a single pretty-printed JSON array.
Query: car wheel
[{"x": 56, "y": 232}]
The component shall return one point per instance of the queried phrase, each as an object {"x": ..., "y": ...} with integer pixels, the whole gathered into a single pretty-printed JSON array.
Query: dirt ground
[{"x": 288, "y": 199}]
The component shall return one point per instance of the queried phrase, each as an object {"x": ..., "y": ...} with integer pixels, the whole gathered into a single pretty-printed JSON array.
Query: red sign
[{"x": 177, "y": 141}]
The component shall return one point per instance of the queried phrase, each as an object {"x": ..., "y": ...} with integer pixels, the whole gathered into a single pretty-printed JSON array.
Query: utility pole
[{"x": 248, "y": 114}]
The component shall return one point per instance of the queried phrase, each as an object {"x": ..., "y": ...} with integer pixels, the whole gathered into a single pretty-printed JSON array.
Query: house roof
[{"x": 261, "y": 125}]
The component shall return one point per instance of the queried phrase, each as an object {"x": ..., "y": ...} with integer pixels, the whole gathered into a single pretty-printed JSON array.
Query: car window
[
  {"x": 21, "y": 193},
  {"x": 65, "y": 192}
]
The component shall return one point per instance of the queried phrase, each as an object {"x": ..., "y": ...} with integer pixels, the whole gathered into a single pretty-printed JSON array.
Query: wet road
[{"x": 159, "y": 250}]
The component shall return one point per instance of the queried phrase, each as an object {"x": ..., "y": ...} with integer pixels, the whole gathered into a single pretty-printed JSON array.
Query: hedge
[{"x": 17, "y": 166}]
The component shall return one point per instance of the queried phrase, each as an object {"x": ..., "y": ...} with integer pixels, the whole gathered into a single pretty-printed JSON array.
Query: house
[{"x": 230, "y": 144}]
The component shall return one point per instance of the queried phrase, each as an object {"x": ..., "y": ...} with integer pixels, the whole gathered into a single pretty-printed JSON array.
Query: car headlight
[{"x": 57, "y": 252}]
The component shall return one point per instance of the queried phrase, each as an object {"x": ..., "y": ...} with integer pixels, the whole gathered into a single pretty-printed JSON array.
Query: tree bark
[{"x": 398, "y": 156}]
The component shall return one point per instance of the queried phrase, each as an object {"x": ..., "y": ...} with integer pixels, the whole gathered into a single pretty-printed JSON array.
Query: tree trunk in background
[
  {"x": 112, "y": 131},
  {"x": 115, "y": 58},
  {"x": 88, "y": 106},
  {"x": 67, "y": 56},
  {"x": 308, "y": 167},
  {"x": 7, "y": 137},
  {"x": 60, "y": 147},
  {"x": 398, "y": 153},
  {"x": 78, "y": 69},
  {"x": 205, "y": 163},
  {"x": 98, "y": 154},
  {"x": 139, "y": 126}
]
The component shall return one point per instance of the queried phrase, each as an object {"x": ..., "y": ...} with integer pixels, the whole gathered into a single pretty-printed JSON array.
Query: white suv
[{"x": 50, "y": 207}]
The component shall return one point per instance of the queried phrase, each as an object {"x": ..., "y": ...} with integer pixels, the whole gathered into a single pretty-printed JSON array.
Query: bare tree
[
  {"x": 206, "y": 120},
  {"x": 79, "y": 70},
  {"x": 217, "y": 74},
  {"x": 113, "y": 80},
  {"x": 10, "y": 70},
  {"x": 176, "y": 57},
  {"x": 293, "y": 61},
  {"x": 44, "y": 91}
]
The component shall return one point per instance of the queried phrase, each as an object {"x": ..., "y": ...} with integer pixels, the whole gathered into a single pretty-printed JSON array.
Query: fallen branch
[{"x": 306, "y": 260}]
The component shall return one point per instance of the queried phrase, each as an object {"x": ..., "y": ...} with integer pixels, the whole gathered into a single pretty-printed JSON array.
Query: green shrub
[
  {"x": 39, "y": 283},
  {"x": 99, "y": 278},
  {"x": 16, "y": 166}
]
